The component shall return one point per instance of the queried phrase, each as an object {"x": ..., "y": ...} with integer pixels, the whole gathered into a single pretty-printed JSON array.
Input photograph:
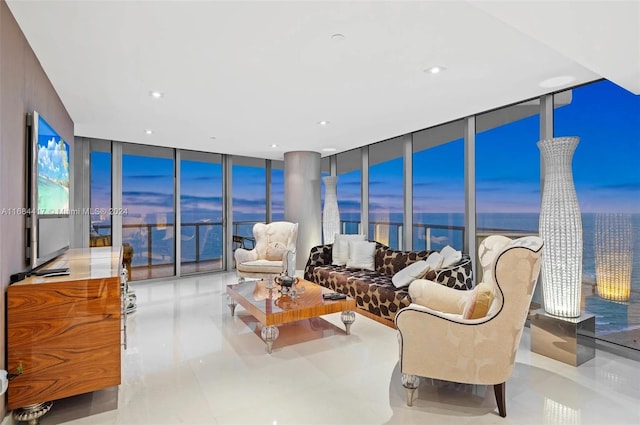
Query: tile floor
[{"x": 190, "y": 362}]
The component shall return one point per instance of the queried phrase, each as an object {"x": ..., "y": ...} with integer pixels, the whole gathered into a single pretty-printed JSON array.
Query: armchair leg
[
  {"x": 410, "y": 383},
  {"x": 499, "y": 390}
]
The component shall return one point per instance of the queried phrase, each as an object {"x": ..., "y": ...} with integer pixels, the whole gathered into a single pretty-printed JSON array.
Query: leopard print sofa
[{"x": 374, "y": 292}]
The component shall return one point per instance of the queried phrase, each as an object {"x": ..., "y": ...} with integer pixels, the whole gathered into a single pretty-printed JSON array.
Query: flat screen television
[{"x": 48, "y": 223}]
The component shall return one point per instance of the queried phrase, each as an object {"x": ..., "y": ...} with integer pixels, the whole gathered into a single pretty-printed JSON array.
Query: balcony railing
[
  {"x": 435, "y": 236},
  {"x": 195, "y": 234},
  {"x": 154, "y": 244}
]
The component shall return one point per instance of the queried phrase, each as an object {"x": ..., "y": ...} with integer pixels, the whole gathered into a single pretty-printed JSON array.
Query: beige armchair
[
  {"x": 445, "y": 345},
  {"x": 274, "y": 251}
]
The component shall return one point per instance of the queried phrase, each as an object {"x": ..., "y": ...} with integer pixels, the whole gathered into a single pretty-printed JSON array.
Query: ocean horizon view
[
  {"x": 211, "y": 233},
  {"x": 610, "y": 316}
]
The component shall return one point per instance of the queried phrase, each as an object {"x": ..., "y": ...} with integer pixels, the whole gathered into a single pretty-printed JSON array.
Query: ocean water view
[
  {"x": 202, "y": 239},
  {"x": 210, "y": 233},
  {"x": 53, "y": 196}
]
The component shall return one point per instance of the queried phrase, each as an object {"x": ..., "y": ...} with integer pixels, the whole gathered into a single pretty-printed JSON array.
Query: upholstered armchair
[
  {"x": 274, "y": 251},
  {"x": 471, "y": 336}
]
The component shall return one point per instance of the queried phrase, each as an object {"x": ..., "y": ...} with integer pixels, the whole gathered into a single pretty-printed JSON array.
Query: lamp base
[{"x": 569, "y": 340}]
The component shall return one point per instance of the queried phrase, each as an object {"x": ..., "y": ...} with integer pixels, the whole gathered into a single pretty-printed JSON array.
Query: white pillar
[{"x": 302, "y": 200}]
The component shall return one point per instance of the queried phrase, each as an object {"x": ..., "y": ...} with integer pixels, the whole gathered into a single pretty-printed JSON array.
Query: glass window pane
[
  {"x": 249, "y": 195},
  {"x": 508, "y": 171},
  {"x": 438, "y": 187},
  {"x": 148, "y": 198},
  {"x": 100, "y": 195},
  {"x": 201, "y": 216},
  {"x": 386, "y": 201},
  {"x": 349, "y": 190},
  {"x": 277, "y": 190},
  {"x": 607, "y": 181}
]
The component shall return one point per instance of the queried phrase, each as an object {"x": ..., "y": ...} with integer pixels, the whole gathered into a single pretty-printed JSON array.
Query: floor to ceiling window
[
  {"x": 277, "y": 190},
  {"x": 201, "y": 223},
  {"x": 249, "y": 195},
  {"x": 100, "y": 193},
  {"x": 386, "y": 183},
  {"x": 438, "y": 187},
  {"x": 508, "y": 170},
  {"x": 606, "y": 118},
  {"x": 349, "y": 190},
  {"x": 148, "y": 198}
]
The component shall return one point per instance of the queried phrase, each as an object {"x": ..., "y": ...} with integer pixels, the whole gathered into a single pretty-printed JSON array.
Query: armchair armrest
[
  {"x": 320, "y": 255},
  {"x": 243, "y": 255},
  {"x": 432, "y": 295}
]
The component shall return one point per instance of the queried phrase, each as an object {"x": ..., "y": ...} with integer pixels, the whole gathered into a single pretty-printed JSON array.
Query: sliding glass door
[
  {"x": 148, "y": 199},
  {"x": 201, "y": 217}
]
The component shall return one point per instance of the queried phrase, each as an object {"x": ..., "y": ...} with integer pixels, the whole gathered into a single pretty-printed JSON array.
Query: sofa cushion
[
  {"x": 374, "y": 292},
  {"x": 361, "y": 255},
  {"x": 390, "y": 261},
  {"x": 260, "y": 266},
  {"x": 410, "y": 273},
  {"x": 450, "y": 256},
  {"x": 340, "y": 253}
]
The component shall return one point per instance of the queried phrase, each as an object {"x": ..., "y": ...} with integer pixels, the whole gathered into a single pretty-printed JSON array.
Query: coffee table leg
[
  {"x": 269, "y": 334},
  {"x": 348, "y": 317},
  {"x": 232, "y": 304}
]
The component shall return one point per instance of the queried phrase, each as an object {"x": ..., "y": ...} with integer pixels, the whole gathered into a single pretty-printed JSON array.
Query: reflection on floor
[
  {"x": 617, "y": 322},
  {"x": 190, "y": 362}
]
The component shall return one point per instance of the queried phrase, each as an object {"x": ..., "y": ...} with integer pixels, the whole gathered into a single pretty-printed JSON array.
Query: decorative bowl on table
[{"x": 286, "y": 281}]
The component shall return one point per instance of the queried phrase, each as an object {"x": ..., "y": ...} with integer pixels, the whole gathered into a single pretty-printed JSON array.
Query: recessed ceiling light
[
  {"x": 274, "y": 145},
  {"x": 337, "y": 37},
  {"x": 553, "y": 82},
  {"x": 435, "y": 69},
  {"x": 148, "y": 132},
  {"x": 329, "y": 149},
  {"x": 323, "y": 123},
  {"x": 156, "y": 94}
]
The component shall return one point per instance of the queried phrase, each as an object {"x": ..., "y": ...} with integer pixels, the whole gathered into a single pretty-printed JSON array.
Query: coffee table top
[{"x": 272, "y": 308}]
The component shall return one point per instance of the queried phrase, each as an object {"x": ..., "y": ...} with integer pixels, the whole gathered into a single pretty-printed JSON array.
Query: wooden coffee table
[{"x": 271, "y": 308}]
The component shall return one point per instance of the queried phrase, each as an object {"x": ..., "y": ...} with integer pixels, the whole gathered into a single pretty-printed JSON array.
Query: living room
[{"x": 104, "y": 164}]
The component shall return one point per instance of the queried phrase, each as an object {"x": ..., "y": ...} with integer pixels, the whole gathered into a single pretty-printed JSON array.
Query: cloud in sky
[{"x": 53, "y": 161}]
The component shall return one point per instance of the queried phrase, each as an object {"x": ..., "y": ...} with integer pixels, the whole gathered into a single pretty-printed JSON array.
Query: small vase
[
  {"x": 330, "y": 212},
  {"x": 560, "y": 229}
]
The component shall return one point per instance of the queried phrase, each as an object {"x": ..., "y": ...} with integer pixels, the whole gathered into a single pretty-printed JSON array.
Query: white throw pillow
[
  {"x": 362, "y": 255},
  {"x": 340, "y": 250},
  {"x": 450, "y": 256},
  {"x": 275, "y": 251},
  {"x": 434, "y": 261},
  {"x": 410, "y": 273}
]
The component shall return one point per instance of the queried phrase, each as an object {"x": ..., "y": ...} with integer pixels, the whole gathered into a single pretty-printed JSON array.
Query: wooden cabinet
[{"x": 65, "y": 331}]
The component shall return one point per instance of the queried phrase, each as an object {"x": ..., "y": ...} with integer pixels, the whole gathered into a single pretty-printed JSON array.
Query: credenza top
[{"x": 83, "y": 264}]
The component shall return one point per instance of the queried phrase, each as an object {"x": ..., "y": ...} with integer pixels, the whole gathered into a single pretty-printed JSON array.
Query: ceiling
[{"x": 241, "y": 76}]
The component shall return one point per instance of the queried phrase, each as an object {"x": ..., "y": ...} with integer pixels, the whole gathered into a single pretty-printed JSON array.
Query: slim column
[
  {"x": 470, "y": 224},
  {"x": 302, "y": 200}
]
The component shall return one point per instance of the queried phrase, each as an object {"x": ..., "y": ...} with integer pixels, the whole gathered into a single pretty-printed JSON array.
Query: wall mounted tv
[{"x": 48, "y": 222}]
